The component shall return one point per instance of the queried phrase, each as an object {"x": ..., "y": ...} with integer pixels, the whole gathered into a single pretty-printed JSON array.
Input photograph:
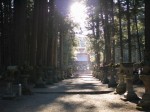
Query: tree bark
[
  {"x": 147, "y": 32},
  {"x": 50, "y": 35},
  {"x": 129, "y": 33},
  {"x": 61, "y": 50},
  {"x": 107, "y": 35},
  {"x": 97, "y": 40},
  {"x": 120, "y": 32},
  {"x": 138, "y": 39},
  {"x": 41, "y": 37},
  {"x": 112, "y": 32},
  {"x": 33, "y": 41},
  {"x": 20, "y": 39}
]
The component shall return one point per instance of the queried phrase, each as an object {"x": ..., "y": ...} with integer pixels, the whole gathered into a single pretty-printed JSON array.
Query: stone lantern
[
  {"x": 145, "y": 77},
  {"x": 121, "y": 87},
  {"x": 105, "y": 75},
  {"x": 128, "y": 74},
  {"x": 100, "y": 73},
  {"x": 25, "y": 74},
  {"x": 40, "y": 74},
  {"x": 112, "y": 81},
  {"x": 49, "y": 75},
  {"x": 9, "y": 94}
]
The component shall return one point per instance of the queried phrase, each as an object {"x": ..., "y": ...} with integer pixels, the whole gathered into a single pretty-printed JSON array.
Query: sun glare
[
  {"x": 77, "y": 12},
  {"x": 78, "y": 15}
]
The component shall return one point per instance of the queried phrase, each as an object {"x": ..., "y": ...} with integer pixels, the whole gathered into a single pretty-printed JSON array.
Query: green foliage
[{"x": 136, "y": 10}]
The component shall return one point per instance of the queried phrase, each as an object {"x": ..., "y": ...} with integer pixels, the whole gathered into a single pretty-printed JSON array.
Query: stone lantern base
[
  {"x": 26, "y": 90},
  {"x": 130, "y": 94},
  {"x": 112, "y": 81},
  {"x": 121, "y": 87},
  {"x": 40, "y": 83},
  {"x": 145, "y": 101},
  {"x": 9, "y": 95},
  {"x": 49, "y": 80}
]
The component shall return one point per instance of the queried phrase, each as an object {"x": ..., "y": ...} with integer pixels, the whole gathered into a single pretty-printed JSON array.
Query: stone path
[{"x": 82, "y": 93}]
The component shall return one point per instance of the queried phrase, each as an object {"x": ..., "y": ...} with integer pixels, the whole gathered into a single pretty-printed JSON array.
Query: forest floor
[{"x": 81, "y": 93}]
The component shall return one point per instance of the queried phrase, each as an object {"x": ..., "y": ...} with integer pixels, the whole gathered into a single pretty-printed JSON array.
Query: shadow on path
[{"x": 81, "y": 93}]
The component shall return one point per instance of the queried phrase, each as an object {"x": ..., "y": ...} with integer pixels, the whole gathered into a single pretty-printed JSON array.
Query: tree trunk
[
  {"x": 93, "y": 32},
  {"x": 129, "y": 33},
  {"x": 2, "y": 34},
  {"x": 97, "y": 40},
  {"x": 138, "y": 39},
  {"x": 61, "y": 50},
  {"x": 55, "y": 53},
  {"x": 41, "y": 37},
  {"x": 33, "y": 41},
  {"x": 107, "y": 35},
  {"x": 51, "y": 35},
  {"x": 20, "y": 39},
  {"x": 120, "y": 32},
  {"x": 112, "y": 32},
  {"x": 147, "y": 32}
]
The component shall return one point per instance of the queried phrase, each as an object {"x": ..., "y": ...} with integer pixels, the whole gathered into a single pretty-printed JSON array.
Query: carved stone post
[
  {"x": 94, "y": 71},
  {"x": 70, "y": 72},
  {"x": 49, "y": 75},
  {"x": 25, "y": 73},
  {"x": 112, "y": 81},
  {"x": 26, "y": 90},
  {"x": 96, "y": 75},
  {"x": 9, "y": 94},
  {"x": 40, "y": 83},
  {"x": 55, "y": 75},
  {"x": 100, "y": 73},
  {"x": 121, "y": 87},
  {"x": 105, "y": 74},
  {"x": 59, "y": 74},
  {"x": 128, "y": 71},
  {"x": 145, "y": 77}
]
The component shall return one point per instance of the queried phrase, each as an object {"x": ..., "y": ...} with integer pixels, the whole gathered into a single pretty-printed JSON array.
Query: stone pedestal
[
  {"x": 69, "y": 72},
  {"x": 99, "y": 75},
  {"x": 55, "y": 76},
  {"x": 121, "y": 87},
  {"x": 40, "y": 83},
  {"x": 93, "y": 73},
  {"x": 9, "y": 94},
  {"x": 49, "y": 76},
  {"x": 105, "y": 74},
  {"x": 58, "y": 72},
  {"x": 96, "y": 73},
  {"x": 26, "y": 90},
  {"x": 145, "y": 101},
  {"x": 130, "y": 94},
  {"x": 112, "y": 81},
  {"x": 102, "y": 73},
  {"x": 128, "y": 74},
  {"x": 63, "y": 74}
]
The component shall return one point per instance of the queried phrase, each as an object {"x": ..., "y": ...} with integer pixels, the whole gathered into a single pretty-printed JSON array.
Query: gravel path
[{"x": 82, "y": 93}]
